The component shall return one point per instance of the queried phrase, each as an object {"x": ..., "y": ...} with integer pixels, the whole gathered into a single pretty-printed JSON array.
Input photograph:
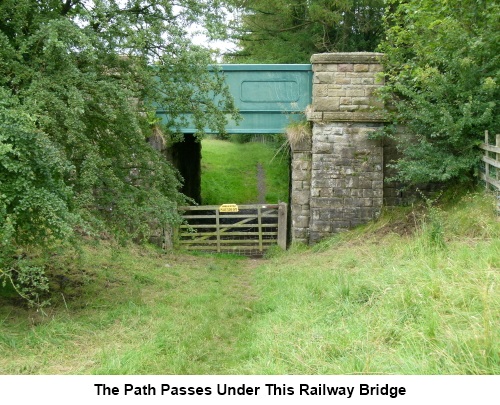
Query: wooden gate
[{"x": 245, "y": 229}]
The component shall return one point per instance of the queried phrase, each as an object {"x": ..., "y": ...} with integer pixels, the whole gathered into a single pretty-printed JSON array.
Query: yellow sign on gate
[{"x": 228, "y": 208}]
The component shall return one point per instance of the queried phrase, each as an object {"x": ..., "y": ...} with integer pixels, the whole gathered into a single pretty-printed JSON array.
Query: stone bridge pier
[{"x": 338, "y": 174}]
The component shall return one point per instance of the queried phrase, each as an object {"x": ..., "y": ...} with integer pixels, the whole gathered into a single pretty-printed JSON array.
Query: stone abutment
[{"x": 338, "y": 174}]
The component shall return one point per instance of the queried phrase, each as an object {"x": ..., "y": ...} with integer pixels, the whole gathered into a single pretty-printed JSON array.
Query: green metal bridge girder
[{"x": 268, "y": 97}]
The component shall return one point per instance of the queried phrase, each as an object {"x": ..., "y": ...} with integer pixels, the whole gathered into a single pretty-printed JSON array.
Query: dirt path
[{"x": 261, "y": 184}]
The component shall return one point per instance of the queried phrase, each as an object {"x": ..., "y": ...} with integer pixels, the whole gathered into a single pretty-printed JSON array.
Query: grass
[
  {"x": 372, "y": 301},
  {"x": 133, "y": 312},
  {"x": 381, "y": 299},
  {"x": 229, "y": 172}
]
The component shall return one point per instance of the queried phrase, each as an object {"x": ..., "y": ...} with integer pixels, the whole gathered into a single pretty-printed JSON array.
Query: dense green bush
[
  {"x": 77, "y": 102},
  {"x": 443, "y": 72}
]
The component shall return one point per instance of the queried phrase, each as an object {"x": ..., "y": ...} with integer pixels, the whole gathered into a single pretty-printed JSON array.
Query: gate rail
[
  {"x": 249, "y": 231},
  {"x": 491, "y": 160}
]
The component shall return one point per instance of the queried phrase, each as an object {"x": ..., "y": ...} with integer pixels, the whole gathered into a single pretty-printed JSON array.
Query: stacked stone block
[
  {"x": 346, "y": 178},
  {"x": 346, "y": 83},
  {"x": 301, "y": 190},
  {"x": 346, "y": 173}
]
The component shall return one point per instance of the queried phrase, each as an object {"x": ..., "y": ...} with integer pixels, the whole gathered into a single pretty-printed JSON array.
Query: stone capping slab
[
  {"x": 347, "y": 57},
  {"x": 347, "y": 116}
]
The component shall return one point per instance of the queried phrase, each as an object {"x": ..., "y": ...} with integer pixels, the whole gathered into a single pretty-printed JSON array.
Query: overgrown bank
[{"x": 414, "y": 293}]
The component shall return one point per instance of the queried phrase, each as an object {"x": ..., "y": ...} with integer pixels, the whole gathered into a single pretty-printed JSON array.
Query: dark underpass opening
[
  {"x": 186, "y": 158},
  {"x": 250, "y": 174}
]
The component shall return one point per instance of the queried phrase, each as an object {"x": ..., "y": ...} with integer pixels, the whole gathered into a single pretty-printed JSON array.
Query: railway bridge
[{"x": 337, "y": 174}]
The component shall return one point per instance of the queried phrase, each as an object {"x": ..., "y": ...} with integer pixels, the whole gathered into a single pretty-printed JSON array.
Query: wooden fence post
[
  {"x": 175, "y": 237},
  {"x": 259, "y": 221},
  {"x": 217, "y": 229},
  {"x": 486, "y": 165},
  {"x": 492, "y": 182},
  {"x": 282, "y": 225},
  {"x": 497, "y": 156},
  {"x": 497, "y": 170}
]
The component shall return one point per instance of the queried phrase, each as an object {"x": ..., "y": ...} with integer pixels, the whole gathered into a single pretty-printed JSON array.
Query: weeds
[
  {"x": 433, "y": 232},
  {"x": 29, "y": 282},
  {"x": 297, "y": 133}
]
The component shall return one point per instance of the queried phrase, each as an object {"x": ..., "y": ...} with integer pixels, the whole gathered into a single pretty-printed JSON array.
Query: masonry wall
[
  {"x": 338, "y": 175},
  {"x": 301, "y": 190}
]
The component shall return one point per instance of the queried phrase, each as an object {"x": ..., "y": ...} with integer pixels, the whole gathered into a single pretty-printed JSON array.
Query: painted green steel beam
[{"x": 268, "y": 97}]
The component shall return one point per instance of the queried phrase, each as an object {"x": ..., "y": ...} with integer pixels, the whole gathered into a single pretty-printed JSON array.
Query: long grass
[
  {"x": 381, "y": 299},
  {"x": 372, "y": 301},
  {"x": 133, "y": 311}
]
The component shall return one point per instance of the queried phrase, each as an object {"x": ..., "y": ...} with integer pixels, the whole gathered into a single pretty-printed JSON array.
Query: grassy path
[
  {"x": 242, "y": 173},
  {"x": 381, "y": 299},
  {"x": 138, "y": 314},
  {"x": 261, "y": 184}
]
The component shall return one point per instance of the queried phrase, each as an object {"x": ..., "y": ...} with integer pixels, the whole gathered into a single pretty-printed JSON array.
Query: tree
[
  {"x": 80, "y": 81},
  {"x": 290, "y": 31},
  {"x": 443, "y": 72}
]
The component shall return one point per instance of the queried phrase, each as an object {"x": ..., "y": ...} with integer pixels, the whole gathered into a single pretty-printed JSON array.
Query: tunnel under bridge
[{"x": 337, "y": 175}]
